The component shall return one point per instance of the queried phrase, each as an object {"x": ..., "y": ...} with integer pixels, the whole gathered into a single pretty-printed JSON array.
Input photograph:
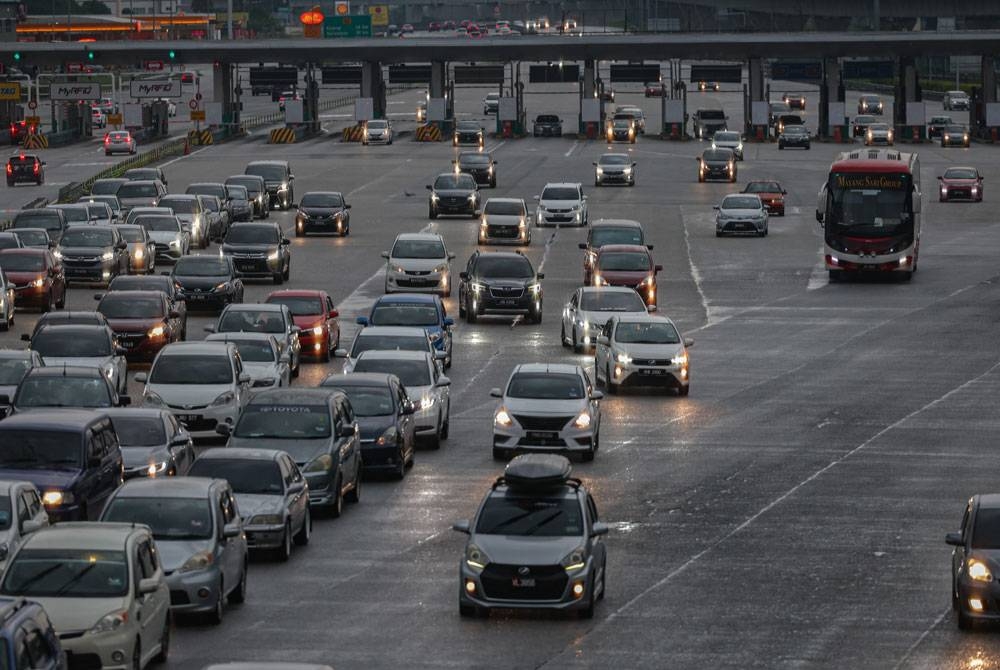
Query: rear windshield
[
  {"x": 251, "y": 321},
  {"x": 38, "y": 391},
  {"x": 299, "y": 305},
  {"x": 251, "y": 184},
  {"x": 201, "y": 266},
  {"x": 389, "y": 343},
  {"x": 249, "y": 475},
  {"x": 106, "y": 187},
  {"x": 734, "y": 202},
  {"x": 71, "y": 343},
  {"x": 13, "y": 369},
  {"x": 404, "y": 314},
  {"x": 137, "y": 190},
  {"x": 168, "y": 518},
  {"x": 206, "y": 189},
  {"x": 763, "y": 187},
  {"x": 623, "y": 261},
  {"x": 237, "y": 192},
  {"x": 604, "y": 235},
  {"x": 180, "y": 205},
  {"x": 33, "y": 238},
  {"x": 130, "y": 234}
]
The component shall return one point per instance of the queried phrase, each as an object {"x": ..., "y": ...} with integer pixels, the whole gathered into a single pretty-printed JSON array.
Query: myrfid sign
[
  {"x": 75, "y": 92},
  {"x": 155, "y": 89}
]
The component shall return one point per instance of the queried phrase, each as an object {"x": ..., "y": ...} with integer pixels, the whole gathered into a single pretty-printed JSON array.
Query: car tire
[
  {"x": 354, "y": 495},
  {"x": 61, "y": 303},
  {"x": 400, "y": 472},
  {"x": 164, "y": 652},
  {"x": 431, "y": 213},
  {"x": 781, "y": 146},
  {"x": 136, "y": 663},
  {"x": 562, "y": 336},
  {"x": 284, "y": 552},
  {"x": 612, "y": 387},
  {"x": 577, "y": 344},
  {"x": 684, "y": 391},
  {"x": 588, "y": 611},
  {"x": 336, "y": 508},
  {"x": 445, "y": 428},
  {"x": 279, "y": 278},
  {"x": 215, "y": 616},
  {"x": 239, "y": 594},
  {"x": 470, "y": 315},
  {"x": 288, "y": 271},
  {"x": 324, "y": 356}
]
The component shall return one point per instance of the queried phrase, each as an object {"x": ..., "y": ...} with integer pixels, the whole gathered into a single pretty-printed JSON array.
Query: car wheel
[
  {"x": 284, "y": 552},
  {"x": 354, "y": 495},
  {"x": 305, "y": 533},
  {"x": 278, "y": 277},
  {"x": 164, "y": 652},
  {"x": 683, "y": 391},
  {"x": 215, "y": 616},
  {"x": 62, "y": 299},
  {"x": 562, "y": 335},
  {"x": 239, "y": 594},
  {"x": 604, "y": 579},
  {"x": 612, "y": 387},
  {"x": 470, "y": 315},
  {"x": 445, "y": 428},
  {"x": 577, "y": 344},
  {"x": 324, "y": 356},
  {"x": 336, "y": 508}
]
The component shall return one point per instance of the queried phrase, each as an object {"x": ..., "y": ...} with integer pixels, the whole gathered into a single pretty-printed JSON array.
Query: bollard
[
  {"x": 760, "y": 133},
  {"x": 508, "y": 129},
  {"x": 916, "y": 134},
  {"x": 836, "y": 134}
]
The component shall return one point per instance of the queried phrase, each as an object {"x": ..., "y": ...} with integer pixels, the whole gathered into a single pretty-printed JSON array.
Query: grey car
[
  {"x": 194, "y": 219},
  {"x": 169, "y": 238},
  {"x": 418, "y": 263},
  {"x": 614, "y": 169},
  {"x": 741, "y": 213},
  {"x": 153, "y": 443},
  {"x": 88, "y": 346},
  {"x": 534, "y": 543},
  {"x": 272, "y": 494},
  {"x": 588, "y": 310},
  {"x": 21, "y": 513},
  {"x": 256, "y": 191},
  {"x": 140, "y": 193},
  {"x": 273, "y": 318},
  {"x": 262, "y": 357},
  {"x": 505, "y": 221},
  {"x": 389, "y": 338},
  {"x": 547, "y": 407},
  {"x": 14, "y": 363},
  {"x": 199, "y": 535}
]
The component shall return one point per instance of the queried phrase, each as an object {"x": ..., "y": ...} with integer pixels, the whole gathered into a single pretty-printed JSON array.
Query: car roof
[
  {"x": 950, "y": 167},
  {"x": 555, "y": 368},
  {"x": 63, "y": 420},
  {"x": 179, "y": 196},
  {"x": 166, "y": 487},
  {"x": 395, "y": 355},
  {"x": 241, "y": 453},
  {"x": 193, "y": 348},
  {"x": 296, "y": 292},
  {"x": 292, "y": 396},
  {"x": 207, "y": 183},
  {"x": 407, "y": 298},
  {"x": 615, "y": 223},
  {"x": 419, "y": 236},
  {"x": 269, "y": 162},
  {"x": 740, "y": 195},
  {"x": 359, "y": 379},
  {"x": 64, "y": 371},
  {"x": 130, "y": 293},
  {"x": 614, "y": 153},
  {"x": 84, "y": 534},
  {"x": 323, "y": 193},
  {"x": 557, "y": 184},
  {"x": 254, "y": 306},
  {"x": 391, "y": 331}
]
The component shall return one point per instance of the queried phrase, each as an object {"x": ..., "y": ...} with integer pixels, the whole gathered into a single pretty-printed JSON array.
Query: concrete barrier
[
  {"x": 282, "y": 136},
  {"x": 353, "y": 133},
  {"x": 428, "y": 133}
]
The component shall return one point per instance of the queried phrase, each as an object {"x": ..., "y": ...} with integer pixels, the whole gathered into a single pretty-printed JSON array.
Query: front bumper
[
  {"x": 99, "y": 651},
  {"x": 795, "y": 142},
  {"x": 605, "y": 177},
  {"x": 735, "y": 226},
  {"x": 490, "y": 234},
  {"x": 321, "y": 490},
  {"x": 550, "y": 587},
  {"x": 201, "y": 421},
  {"x": 560, "y": 217},
  {"x": 195, "y": 591},
  {"x": 453, "y": 205},
  {"x": 32, "y": 296},
  {"x": 961, "y": 193},
  {"x": 257, "y": 266},
  {"x": 377, "y": 458},
  {"x": 507, "y": 302},
  {"x": 854, "y": 263},
  {"x": 77, "y": 270},
  {"x": 320, "y": 224},
  {"x": 414, "y": 282},
  {"x": 568, "y": 439},
  {"x": 467, "y": 140},
  {"x": 377, "y": 139},
  {"x": 658, "y": 376},
  {"x": 265, "y": 537}
]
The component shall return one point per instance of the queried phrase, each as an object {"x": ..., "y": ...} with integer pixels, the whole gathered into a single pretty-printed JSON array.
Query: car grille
[
  {"x": 549, "y": 423},
  {"x": 130, "y": 340},
  {"x": 506, "y": 232},
  {"x": 498, "y": 582},
  {"x": 83, "y": 661},
  {"x": 550, "y": 210},
  {"x": 959, "y": 192},
  {"x": 179, "y": 597},
  {"x": 454, "y": 201},
  {"x": 506, "y": 292},
  {"x": 651, "y": 361},
  {"x": 81, "y": 260},
  {"x": 418, "y": 273}
]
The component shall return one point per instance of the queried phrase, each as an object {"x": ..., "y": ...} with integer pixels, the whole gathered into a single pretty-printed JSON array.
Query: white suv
[{"x": 561, "y": 204}]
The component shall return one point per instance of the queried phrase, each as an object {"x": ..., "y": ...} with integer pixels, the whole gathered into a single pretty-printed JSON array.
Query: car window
[
  {"x": 146, "y": 567},
  {"x": 986, "y": 529},
  {"x": 539, "y": 517}
]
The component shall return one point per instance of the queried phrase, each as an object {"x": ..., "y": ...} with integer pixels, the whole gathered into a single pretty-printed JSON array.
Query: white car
[
  {"x": 588, "y": 310},
  {"x": 262, "y": 358},
  {"x": 97, "y": 118},
  {"x": 425, "y": 385},
  {"x": 741, "y": 213},
  {"x": 119, "y": 141},
  {"x": 21, "y": 514},
  {"x": 418, "y": 263},
  {"x": 614, "y": 168},
  {"x": 274, "y": 318},
  {"x": 505, "y": 221},
  {"x": 166, "y": 232},
  {"x": 729, "y": 139},
  {"x": 879, "y": 133},
  {"x": 85, "y": 346},
  {"x": 389, "y": 338},
  {"x": 547, "y": 407},
  {"x": 377, "y": 131},
  {"x": 103, "y": 588},
  {"x": 956, "y": 101},
  {"x": 561, "y": 204},
  {"x": 202, "y": 383},
  {"x": 642, "y": 350}
]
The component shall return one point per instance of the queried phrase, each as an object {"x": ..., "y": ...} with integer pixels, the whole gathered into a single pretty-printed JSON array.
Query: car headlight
[
  {"x": 441, "y": 268},
  {"x": 978, "y": 571},
  {"x": 320, "y": 464},
  {"x": 627, "y": 171},
  {"x": 107, "y": 256},
  {"x": 151, "y": 399},
  {"x": 582, "y": 420},
  {"x": 680, "y": 359},
  {"x": 427, "y": 402},
  {"x": 623, "y": 359},
  {"x": 574, "y": 560},
  {"x": 224, "y": 399},
  {"x": 138, "y": 254},
  {"x": 174, "y": 243},
  {"x": 600, "y": 171},
  {"x": 266, "y": 520},
  {"x": 224, "y": 286},
  {"x": 39, "y": 282},
  {"x": 199, "y": 561},
  {"x": 472, "y": 197},
  {"x": 434, "y": 197},
  {"x": 965, "y": 138},
  {"x": 273, "y": 256},
  {"x": 109, "y": 622},
  {"x": 599, "y": 280},
  {"x": 739, "y": 147},
  {"x": 476, "y": 558},
  {"x": 56, "y": 498},
  {"x": 478, "y": 288},
  {"x": 109, "y": 370},
  {"x": 388, "y": 437},
  {"x": 946, "y": 137},
  {"x": 535, "y": 288},
  {"x": 154, "y": 469},
  {"x": 502, "y": 418},
  {"x": 156, "y": 331},
  {"x": 318, "y": 330}
]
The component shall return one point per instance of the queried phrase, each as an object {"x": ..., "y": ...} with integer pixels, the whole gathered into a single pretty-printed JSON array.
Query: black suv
[
  {"x": 278, "y": 180},
  {"x": 547, "y": 125},
  {"x": 480, "y": 165},
  {"x": 453, "y": 194},
  {"x": 25, "y": 168},
  {"x": 498, "y": 282},
  {"x": 468, "y": 132}
]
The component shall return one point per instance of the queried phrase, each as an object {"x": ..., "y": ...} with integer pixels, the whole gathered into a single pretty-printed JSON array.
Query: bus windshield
[{"x": 870, "y": 205}]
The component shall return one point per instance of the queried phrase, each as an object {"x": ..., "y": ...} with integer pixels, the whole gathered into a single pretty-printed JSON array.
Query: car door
[
  {"x": 597, "y": 548},
  {"x": 569, "y": 314},
  {"x": 39, "y": 648},
  {"x": 55, "y": 269},
  {"x": 958, "y": 553},
  {"x": 296, "y": 490},
  {"x": 232, "y": 549},
  {"x": 350, "y": 451},
  {"x": 150, "y": 607},
  {"x": 601, "y": 350}
]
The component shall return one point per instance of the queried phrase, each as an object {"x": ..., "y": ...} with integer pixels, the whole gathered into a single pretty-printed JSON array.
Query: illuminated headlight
[
  {"x": 284, "y": 186},
  {"x": 107, "y": 256},
  {"x": 273, "y": 256},
  {"x": 266, "y": 520},
  {"x": 109, "y": 622},
  {"x": 472, "y": 197},
  {"x": 944, "y": 190},
  {"x": 627, "y": 171},
  {"x": 441, "y": 268},
  {"x": 156, "y": 468},
  {"x": 522, "y": 223},
  {"x": 109, "y": 371},
  {"x": 679, "y": 359},
  {"x": 600, "y": 171},
  {"x": 56, "y": 498},
  {"x": 57, "y": 254},
  {"x": 478, "y": 288},
  {"x": 138, "y": 254},
  {"x": 321, "y": 464},
  {"x": 965, "y": 138},
  {"x": 398, "y": 269},
  {"x": 575, "y": 560},
  {"x": 157, "y": 331},
  {"x": 599, "y": 280},
  {"x": 224, "y": 286},
  {"x": 318, "y": 330},
  {"x": 739, "y": 147},
  {"x": 889, "y": 134},
  {"x": 427, "y": 402},
  {"x": 582, "y": 420},
  {"x": 476, "y": 558},
  {"x": 947, "y": 137},
  {"x": 199, "y": 561},
  {"x": 40, "y": 281},
  {"x": 174, "y": 244},
  {"x": 978, "y": 571},
  {"x": 623, "y": 359},
  {"x": 579, "y": 215},
  {"x": 535, "y": 288},
  {"x": 502, "y": 418},
  {"x": 434, "y": 197},
  {"x": 713, "y": 144}
]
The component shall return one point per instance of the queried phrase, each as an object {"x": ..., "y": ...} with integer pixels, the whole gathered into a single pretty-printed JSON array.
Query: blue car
[
  {"x": 26, "y": 634},
  {"x": 410, "y": 309}
]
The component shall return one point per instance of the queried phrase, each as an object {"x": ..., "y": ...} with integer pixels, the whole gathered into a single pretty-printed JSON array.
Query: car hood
[
  {"x": 24, "y": 277},
  {"x": 42, "y": 479},
  {"x": 625, "y": 276},
  {"x": 950, "y": 182},
  {"x": 229, "y": 248},
  {"x": 503, "y": 219},
  {"x": 320, "y": 211},
  {"x": 189, "y": 395},
  {"x": 175, "y": 553},
  {"x": 302, "y": 451},
  {"x": 741, "y": 213},
  {"x": 534, "y": 406},
  {"x": 418, "y": 264},
  {"x": 134, "y": 325},
  {"x": 454, "y": 192},
  {"x": 137, "y": 457},
  {"x": 308, "y": 321},
  {"x": 650, "y": 350},
  {"x": 373, "y": 426},
  {"x": 164, "y": 236},
  {"x": 79, "y": 614},
  {"x": 250, "y": 504},
  {"x": 560, "y": 204},
  {"x": 201, "y": 282},
  {"x": 526, "y": 550},
  {"x": 83, "y": 361},
  {"x": 83, "y": 251}
]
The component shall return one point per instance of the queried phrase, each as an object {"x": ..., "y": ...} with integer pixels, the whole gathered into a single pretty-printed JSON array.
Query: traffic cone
[{"x": 187, "y": 147}]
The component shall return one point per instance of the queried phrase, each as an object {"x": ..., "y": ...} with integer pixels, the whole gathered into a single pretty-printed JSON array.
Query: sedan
[
  {"x": 957, "y": 183},
  {"x": 955, "y": 135},
  {"x": 870, "y": 104},
  {"x": 708, "y": 86},
  {"x": 207, "y": 281},
  {"x": 119, "y": 141},
  {"x": 323, "y": 212},
  {"x": 259, "y": 250},
  {"x": 770, "y": 193},
  {"x": 627, "y": 265},
  {"x": 262, "y": 357},
  {"x": 153, "y": 443},
  {"x": 314, "y": 313},
  {"x": 547, "y": 125},
  {"x": 468, "y": 132},
  {"x": 163, "y": 285},
  {"x": 794, "y": 100},
  {"x": 642, "y": 350},
  {"x": 741, "y": 213},
  {"x": 654, "y": 90},
  {"x": 90, "y": 346},
  {"x": 936, "y": 124},
  {"x": 614, "y": 169},
  {"x": 453, "y": 194},
  {"x": 588, "y": 310},
  {"x": 860, "y": 125},
  {"x": 144, "y": 173},
  {"x": 93, "y": 253},
  {"x": 480, "y": 165},
  {"x": 729, "y": 139},
  {"x": 794, "y": 136},
  {"x": 168, "y": 237},
  {"x": 143, "y": 322},
  {"x": 717, "y": 164},
  {"x": 37, "y": 277},
  {"x": 621, "y": 130}
]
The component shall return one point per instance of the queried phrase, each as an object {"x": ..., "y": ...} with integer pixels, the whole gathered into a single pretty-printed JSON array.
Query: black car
[
  {"x": 786, "y": 120},
  {"x": 547, "y": 125},
  {"x": 209, "y": 281},
  {"x": 52, "y": 220},
  {"x": 256, "y": 190},
  {"x": 93, "y": 253},
  {"x": 499, "y": 282},
  {"x": 218, "y": 190},
  {"x": 794, "y": 136},
  {"x": 453, "y": 194},
  {"x": 717, "y": 164},
  {"x": 468, "y": 132},
  {"x": 66, "y": 318},
  {"x": 25, "y": 169},
  {"x": 144, "y": 173},
  {"x": 156, "y": 283},
  {"x": 278, "y": 180},
  {"x": 108, "y": 186},
  {"x": 153, "y": 442},
  {"x": 974, "y": 588},
  {"x": 239, "y": 202},
  {"x": 955, "y": 136},
  {"x": 34, "y": 238},
  {"x": 64, "y": 386},
  {"x": 936, "y": 125},
  {"x": 323, "y": 212},
  {"x": 621, "y": 130},
  {"x": 259, "y": 250},
  {"x": 480, "y": 165},
  {"x": 385, "y": 417}
]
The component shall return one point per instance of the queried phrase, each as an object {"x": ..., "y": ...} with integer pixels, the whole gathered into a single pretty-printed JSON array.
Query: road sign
[
  {"x": 197, "y": 114},
  {"x": 33, "y": 120},
  {"x": 640, "y": 73},
  {"x": 729, "y": 74},
  {"x": 32, "y": 104},
  {"x": 115, "y": 119},
  {"x": 74, "y": 67},
  {"x": 10, "y": 90},
  {"x": 347, "y": 26},
  {"x": 197, "y": 96},
  {"x": 797, "y": 70},
  {"x": 342, "y": 74},
  {"x": 160, "y": 88},
  {"x": 410, "y": 74},
  {"x": 379, "y": 14},
  {"x": 193, "y": 104},
  {"x": 154, "y": 65},
  {"x": 479, "y": 74},
  {"x": 75, "y": 91}
]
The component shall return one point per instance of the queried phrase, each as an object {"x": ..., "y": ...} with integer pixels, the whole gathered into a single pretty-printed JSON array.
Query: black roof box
[{"x": 537, "y": 471}]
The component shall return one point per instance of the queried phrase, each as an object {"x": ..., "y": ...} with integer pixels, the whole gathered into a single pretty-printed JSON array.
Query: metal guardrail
[{"x": 73, "y": 191}]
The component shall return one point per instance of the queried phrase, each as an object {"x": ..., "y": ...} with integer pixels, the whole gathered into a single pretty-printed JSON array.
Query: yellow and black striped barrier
[
  {"x": 353, "y": 133},
  {"x": 200, "y": 137},
  {"x": 282, "y": 136},
  {"x": 36, "y": 142},
  {"x": 428, "y": 133}
]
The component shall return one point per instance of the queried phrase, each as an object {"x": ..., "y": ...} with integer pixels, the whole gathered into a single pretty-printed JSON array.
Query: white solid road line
[
  {"x": 572, "y": 147},
  {"x": 819, "y": 277}
]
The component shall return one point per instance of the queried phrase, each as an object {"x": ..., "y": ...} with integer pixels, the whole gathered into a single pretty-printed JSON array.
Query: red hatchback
[
  {"x": 961, "y": 183},
  {"x": 143, "y": 321},
  {"x": 627, "y": 265},
  {"x": 314, "y": 313},
  {"x": 37, "y": 276},
  {"x": 771, "y": 194}
]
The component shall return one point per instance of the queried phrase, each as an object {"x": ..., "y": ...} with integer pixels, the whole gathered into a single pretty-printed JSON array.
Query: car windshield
[
  {"x": 87, "y": 237},
  {"x": 763, "y": 187},
  {"x": 369, "y": 400},
  {"x": 504, "y": 267},
  {"x": 249, "y": 234},
  {"x": 131, "y": 233},
  {"x": 255, "y": 351},
  {"x": 139, "y": 431},
  {"x": 505, "y": 208},
  {"x": 604, "y": 235},
  {"x": 71, "y": 342},
  {"x": 67, "y": 573},
  {"x": 251, "y": 321},
  {"x": 560, "y": 193},
  {"x": 611, "y": 301},
  {"x": 299, "y": 305},
  {"x": 623, "y": 261},
  {"x": 252, "y": 476},
  {"x": 237, "y": 192},
  {"x": 201, "y": 266},
  {"x": 741, "y": 202},
  {"x": 169, "y": 518},
  {"x": 986, "y": 530},
  {"x": 327, "y": 200},
  {"x": 454, "y": 181},
  {"x": 22, "y": 262},
  {"x": 46, "y": 220},
  {"x": 377, "y": 125},
  {"x": 291, "y": 422},
  {"x": 869, "y": 204},
  {"x": 409, "y": 248},
  {"x": 870, "y": 98},
  {"x": 62, "y": 392},
  {"x": 467, "y": 127},
  {"x": 950, "y": 173},
  {"x": 473, "y": 159},
  {"x": 540, "y": 517},
  {"x": 272, "y": 172},
  {"x": 546, "y": 386},
  {"x": 158, "y": 223},
  {"x": 647, "y": 332},
  {"x": 39, "y": 450},
  {"x": 75, "y": 214},
  {"x": 795, "y": 130},
  {"x": 404, "y": 314},
  {"x": 192, "y": 369},
  {"x": 212, "y": 204},
  {"x": 614, "y": 159},
  {"x": 33, "y": 238},
  {"x": 9, "y": 241},
  {"x": 117, "y": 305},
  {"x": 622, "y": 124},
  {"x": 717, "y": 155},
  {"x": 955, "y": 129},
  {"x": 13, "y": 369},
  {"x": 180, "y": 205},
  {"x": 547, "y": 118},
  {"x": 106, "y": 186},
  {"x": 136, "y": 189},
  {"x": 410, "y": 372},
  {"x": 714, "y": 114},
  {"x": 389, "y": 343},
  {"x": 727, "y": 137}
]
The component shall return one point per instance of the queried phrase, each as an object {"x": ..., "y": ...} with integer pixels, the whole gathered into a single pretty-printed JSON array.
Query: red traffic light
[{"x": 313, "y": 17}]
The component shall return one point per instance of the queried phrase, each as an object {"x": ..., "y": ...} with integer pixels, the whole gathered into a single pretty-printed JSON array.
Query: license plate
[
  {"x": 506, "y": 302},
  {"x": 539, "y": 435},
  {"x": 196, "y": 296},
  {"x": 652, "y": 372},
  {"x": 523, "y": 582},
  {"x": 188, "y": 418},
  {"x": 246, "y": 267}
]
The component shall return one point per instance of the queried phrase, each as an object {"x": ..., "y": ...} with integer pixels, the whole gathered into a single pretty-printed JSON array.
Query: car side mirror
[
  {"x": 451, "y": 256},
  {"x": 333, "y": 314},
  {"x": 716, "y": 207},
  {"x": 582, "y": 245},
  {"x": 347, "y": 430},
  {"x": 940, "y": 178},
  {"x": 120, "y": 351},
  {"x": 232, "y": 530},
  {"x": 650, "y": 308},
  {"x": 30, "y": 526},
  {"x": 688, "y": 342},
  {"x": 540, "y": 275},
  {"x": 407, "y": 408},
  {"x": 954, "y": 539},
  {"x": 98, "y": 296},
  {"x": 181, "y": 439},
  {"x": 784, "y": 192},
  {"x": 385, "y": 254},
  {"x": 347, "y": 206},
  {"x": 148, "y": 585},
  {"x": 657, "y": 268},
  {"x": 361, "y": 320},
  {"x": 596, "y": 395},
  {"x": 599, "y": 528},
  {"x": 602, "y": 339},
  {"x": 141, "y": 377},
  {"x": 224, "y": 429},
  {"x": 594, "y": 164},
  {"x": 285, "y": 241},
  {"x": 461, "y": 526},
  {"x": 448, "y": 322},
  {"x": 443, "y": 381},
  {"x": 496, "y": 393}
]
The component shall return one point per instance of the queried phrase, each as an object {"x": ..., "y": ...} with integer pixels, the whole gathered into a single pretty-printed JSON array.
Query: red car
[
  {"x": 433, "y": 27},
  {"x": 960, "y": 183},
  {"x": 37, "y": 277},
  {"x": 473, "y": 31},
  {"x": 771, "y": 194},
  {"x": 627, "y": 265},
  {"x": 143, "y": 321},
  {"x": 655, "y": 91},
  {"x": 448, "y": 25},
  {"x": 314, "y": 313}
]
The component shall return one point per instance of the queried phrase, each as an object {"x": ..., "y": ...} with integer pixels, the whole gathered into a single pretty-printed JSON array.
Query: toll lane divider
[
  {"x": 282, "y": 136},
  {"x": 201, "y": 137},
  {"x": 353, "y": 133},
  {"x": 428, "y": 133},
  {"x": 36, "y": 141}
]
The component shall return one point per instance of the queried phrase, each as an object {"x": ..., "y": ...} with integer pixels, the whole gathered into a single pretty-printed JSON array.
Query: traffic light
[
  {"x": 341, "y": 8},
  {"x": 90, "y": 55},
  {"x": 172, "y": 54},
  {"x": 17, "y": 55}
]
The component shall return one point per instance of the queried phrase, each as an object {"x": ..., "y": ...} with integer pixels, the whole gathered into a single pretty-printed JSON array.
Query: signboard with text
[
  {"x": 149, "y": 88},
  {"x": 10, "y": 90},
  {"x": 347, "y": 26},
  {"x": 75, "y": 92},
  {"x": 379, "y": 14}
]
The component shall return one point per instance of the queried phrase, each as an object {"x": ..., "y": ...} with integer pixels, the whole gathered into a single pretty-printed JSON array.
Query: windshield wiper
[
  {"x": 543, "y": 522},
  {"x": 41, "y": 575},
  {"x": 77, "y": 577},
  {"x": 509, "y": 522}
]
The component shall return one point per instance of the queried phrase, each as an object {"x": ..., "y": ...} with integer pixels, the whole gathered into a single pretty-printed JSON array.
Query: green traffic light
[
  {"x": 172, "y": 55},
  {"x": 17, "y": 55},
  {"x": 90, "y": 55}
]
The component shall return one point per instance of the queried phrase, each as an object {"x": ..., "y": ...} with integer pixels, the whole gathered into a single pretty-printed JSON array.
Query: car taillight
[
  {"x": 10, "y": 169},
  {"x": 36, "y": 168}
]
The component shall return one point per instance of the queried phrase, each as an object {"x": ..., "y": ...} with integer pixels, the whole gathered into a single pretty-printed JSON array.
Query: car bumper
[
  {"x": 542, "y": 131},
  {"x": 484, "y": 303},
  {"x": 265, "y": 537},
  {"x": 87, "y": 272},
  {"x": 32, "y": 296},
  {"x": 774, "y": 206},
  {"x": 195, "y": 591},
  {"x": 566, "y": 440},
  {"x": 503, "y": 235},
  {"x": 492, "y": 591},
  {"x": 435, "y": 282},
  {"x": 670, "y": 377},
  {"x": 375, "y": 458},
  {"x": 961, "y": 193},
  {"x": 242, "y": 213},
  {"x": 323, "y": 225},
  {"x": 257, "y": 268},
  {"x": 321, "y": 491},
  {"x": 741, "y": 226},
  {"x": 107, "y": 651},
  {"x": 795, "y": 143},
  {"x": 169, "y": 253},
  {"x": 201, "y": 422},
  {"x": 546, "y": 218},
  {"x": 447, "y": 206},
  {"x": 613, "y": 177},
  {"x": 142, "y": 348},
  {"x": 377, "y": 139}
]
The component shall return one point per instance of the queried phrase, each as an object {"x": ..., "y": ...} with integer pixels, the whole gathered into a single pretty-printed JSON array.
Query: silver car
[
  {"x": 153, "y": 443},
  {"x": 377, "y": 131},
  {"x": 262, "y": 358},
  {"x": 425, "y": 386},
  {"x": 418, "y": 263},
  {"x": 118, "y": 141},
  {"x": 188, "y": 209},
  {"x": 165, "y": 231},
  {"x": 271, "y": 492},
  {"x": 729, "y": 139},
  {"x": 614, "y": 168},
  {"x": 140, "y": 193},
  {"x": 86, "y": 346},
  {"x": 547, "y": 407},
  {"x": 199, "y": 538},
  {"x": 741, "y": 213},
  {"x": 879, "y": 133},
  {"x": 389, "y": 338},
  {"x": 642, "y": 350},
  {"x": 588, "y": 310},
  {"x": 273, "y": 318},
  {"x": 76, "y": 215},
  {"x": 21, "y": 513},
  {"x": 561, "y": 204},
  {"x": 14, "y": 363},
  {"x": 505, "y": 221}
]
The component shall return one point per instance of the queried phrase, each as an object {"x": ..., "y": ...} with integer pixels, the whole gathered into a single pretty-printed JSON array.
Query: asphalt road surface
[{"x": 790, "y": 513}]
